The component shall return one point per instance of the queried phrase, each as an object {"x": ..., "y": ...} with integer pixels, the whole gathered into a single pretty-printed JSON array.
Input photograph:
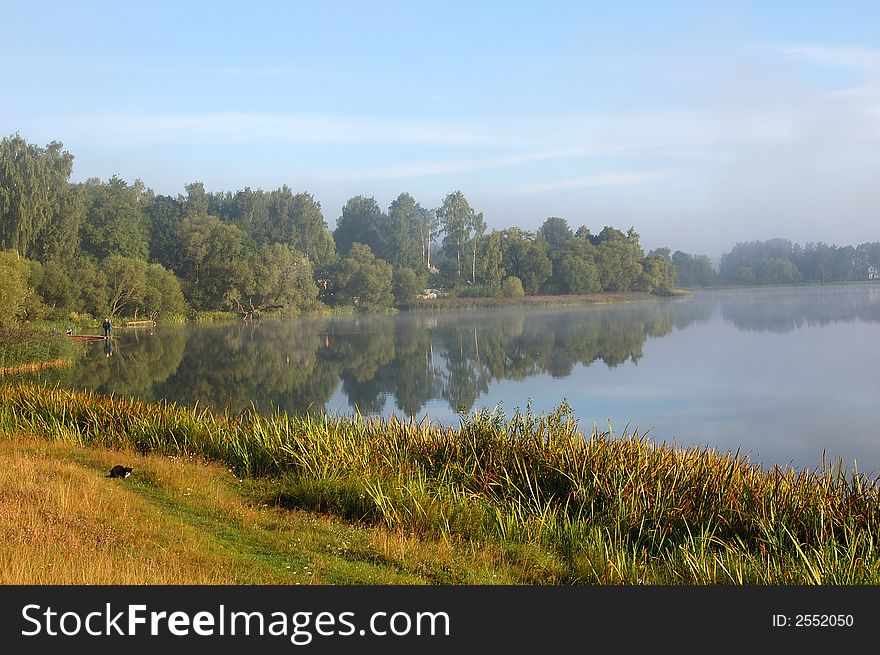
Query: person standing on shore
[{"x": 107, "y": 325}]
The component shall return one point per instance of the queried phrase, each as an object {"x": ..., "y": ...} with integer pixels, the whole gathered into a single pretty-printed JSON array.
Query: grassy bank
[
  {"x": 530, "y": 497},
  {"x": 23, "y": 349},
  {"x": 187, "y": 521}
]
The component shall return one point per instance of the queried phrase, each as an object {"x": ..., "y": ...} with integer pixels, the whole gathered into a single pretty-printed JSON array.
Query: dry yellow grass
[
  {"x": 61, "y": 523},
  {"x": 183, "y": 521}
]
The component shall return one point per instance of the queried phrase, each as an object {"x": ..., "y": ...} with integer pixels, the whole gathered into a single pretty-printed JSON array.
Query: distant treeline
[
  {"x": 114, "y": 247},
  {"x": 779, "y": 261}
]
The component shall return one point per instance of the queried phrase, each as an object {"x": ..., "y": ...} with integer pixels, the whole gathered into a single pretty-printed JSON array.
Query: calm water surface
[{"x": 787, "y": 376}]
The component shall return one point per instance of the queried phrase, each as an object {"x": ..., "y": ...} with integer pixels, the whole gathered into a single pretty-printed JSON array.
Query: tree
[
  {"x": 208, "y": 249},
  {"x": 751, "y": 255},
  {"x": 493, "y": 271},
  {"x": 779, "y": 271},
  {"x": 17, "y": 297},
  {"x": 406, "y": 284},
  {"x": 297, "y": 221},
  {"x": 429, "y": 228},
  {"x": 574, "y": 268},
  {"x": 525, "y": 257},
  {"x": 578, "y": 275},
  {"x": 657, "y": 276},
  {"x": 363, "y": 279},
  {"x": 273, "y": 277},
  {"x": 126, "y": 283},
  {"x": 693, "y": 270},
  {"x": 34, "y": 191},
  {"x": 59, "y": 290},
  {"x": 60, "y": 238},
  {"x": 164, "y": 215},
  {"x": 407, "y": 222},
  {"x": 362, "y": 221},
  {"x": 619, "y": 259},
  {"x": 478, "y": 225},
  {"x": 512, "y": 287},
  {"x": 556, "y": 233},
  {"x": 457, "y": 219},
  {"x": 162, "y": 293},
  {"x": 114, "y": 222}
]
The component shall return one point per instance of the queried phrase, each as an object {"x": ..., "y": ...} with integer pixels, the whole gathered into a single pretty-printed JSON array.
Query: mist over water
[{"x": 785, "y": 375}]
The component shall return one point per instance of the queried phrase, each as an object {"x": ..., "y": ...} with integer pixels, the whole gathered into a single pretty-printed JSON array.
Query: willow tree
[{"x": 34, "y": 191}]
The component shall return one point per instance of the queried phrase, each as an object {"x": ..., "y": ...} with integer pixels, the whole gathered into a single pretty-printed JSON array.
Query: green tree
[
  {"x": 34, "y": 192},
  {"x": 493, "y": 271},
  {"x": 457, "y": 219},
  {"x": 164, "y": 215},
  {"x": 274, "y": 277},
  {"x": 578, "y": 275},
  {"x": 162, "y": 293},
  {"x": 556, "y": 233},
  {"x": 363, "y": 221},
  {"x": 297, "y": 221},
  {"x": 657, "y": 276},
  {"x": 114, "y": 222},
  {"x": 744, "y": 275},
  {"x": 406, "y": 284},
  {"x": 693, "y": 270},
  {"x": 126, "y": 284},
  {"x": 94, "y": 293},
  {"x": 363, "y": 279},
  {"x": 574, "y": 268},
  {"x": 512, "y": 287},
  {"x": 17, "y": 297},
  {"x": 619, "y": 259},
  {"x": 208, "y": 250},
  {"x": 779, "y": 271},
  {"x": 407, "y": 224},
  {"x": 525, "y": 257},
  {"x": 59, "y": 290},
  {"x": 478, "y": 228}
]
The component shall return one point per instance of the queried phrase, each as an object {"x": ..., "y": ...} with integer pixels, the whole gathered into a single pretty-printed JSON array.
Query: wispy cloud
[
  {"x": 419, "y": 169},
  {"x": 630, "y": 178},
  {"x": 866, "y": 59},
  {"x": 173, "y": 70},
  {"x": 279, "y": 128}
]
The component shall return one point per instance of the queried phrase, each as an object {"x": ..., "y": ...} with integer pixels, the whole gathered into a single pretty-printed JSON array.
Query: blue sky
[{"x": 700, "y": 124}]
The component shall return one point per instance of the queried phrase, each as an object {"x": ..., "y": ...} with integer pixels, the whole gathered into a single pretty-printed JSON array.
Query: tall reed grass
[
  {"x": 25, "y": 346},
  {"x": 576, "y": 507}
]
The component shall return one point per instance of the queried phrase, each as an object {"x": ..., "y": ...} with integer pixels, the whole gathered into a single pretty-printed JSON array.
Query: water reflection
[
  {"x": 786, "y": 309},
  {"x": 297, "y": 365},
  {"x": 743, "y": 358}
]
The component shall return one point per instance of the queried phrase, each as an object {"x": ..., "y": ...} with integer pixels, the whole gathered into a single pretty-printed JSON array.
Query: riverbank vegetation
[
  {"x": 529, "y": 494},
  {"x": 82, "y": 251},
  {"x": 23, "y": 349},
  {"x": 483, "y": 302}
]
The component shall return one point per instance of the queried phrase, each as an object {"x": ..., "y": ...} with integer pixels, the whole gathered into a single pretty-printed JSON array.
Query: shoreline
[{"x": 532, "y": 497}]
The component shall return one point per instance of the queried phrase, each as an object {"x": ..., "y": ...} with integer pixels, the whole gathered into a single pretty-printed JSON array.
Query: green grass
[
  {"x": 563, "y": 506},
  {"x": 26, "y": 346}
]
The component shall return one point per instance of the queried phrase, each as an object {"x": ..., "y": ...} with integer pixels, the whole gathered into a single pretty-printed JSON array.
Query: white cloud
[
  {"x": 419, "y": 169},
  {"x": 277, "y": 128},
  {"x": 595, "y": 181},
  {"x": 841, "y": 56}
]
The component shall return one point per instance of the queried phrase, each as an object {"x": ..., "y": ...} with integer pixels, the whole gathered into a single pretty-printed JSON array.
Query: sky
[{"x": 699, "y": 124}]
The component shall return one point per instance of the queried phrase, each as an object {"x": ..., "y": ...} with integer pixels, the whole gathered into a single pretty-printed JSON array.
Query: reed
[
  {"x": 566, "y": 506},
  {"x": 21, "y": 348}
]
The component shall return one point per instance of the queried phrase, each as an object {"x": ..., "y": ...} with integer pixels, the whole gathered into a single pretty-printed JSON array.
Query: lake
[{"x": 786, "y": 375}]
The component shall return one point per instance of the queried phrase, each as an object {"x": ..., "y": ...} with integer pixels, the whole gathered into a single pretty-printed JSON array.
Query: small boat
[{"x": 87, "y": 337}]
